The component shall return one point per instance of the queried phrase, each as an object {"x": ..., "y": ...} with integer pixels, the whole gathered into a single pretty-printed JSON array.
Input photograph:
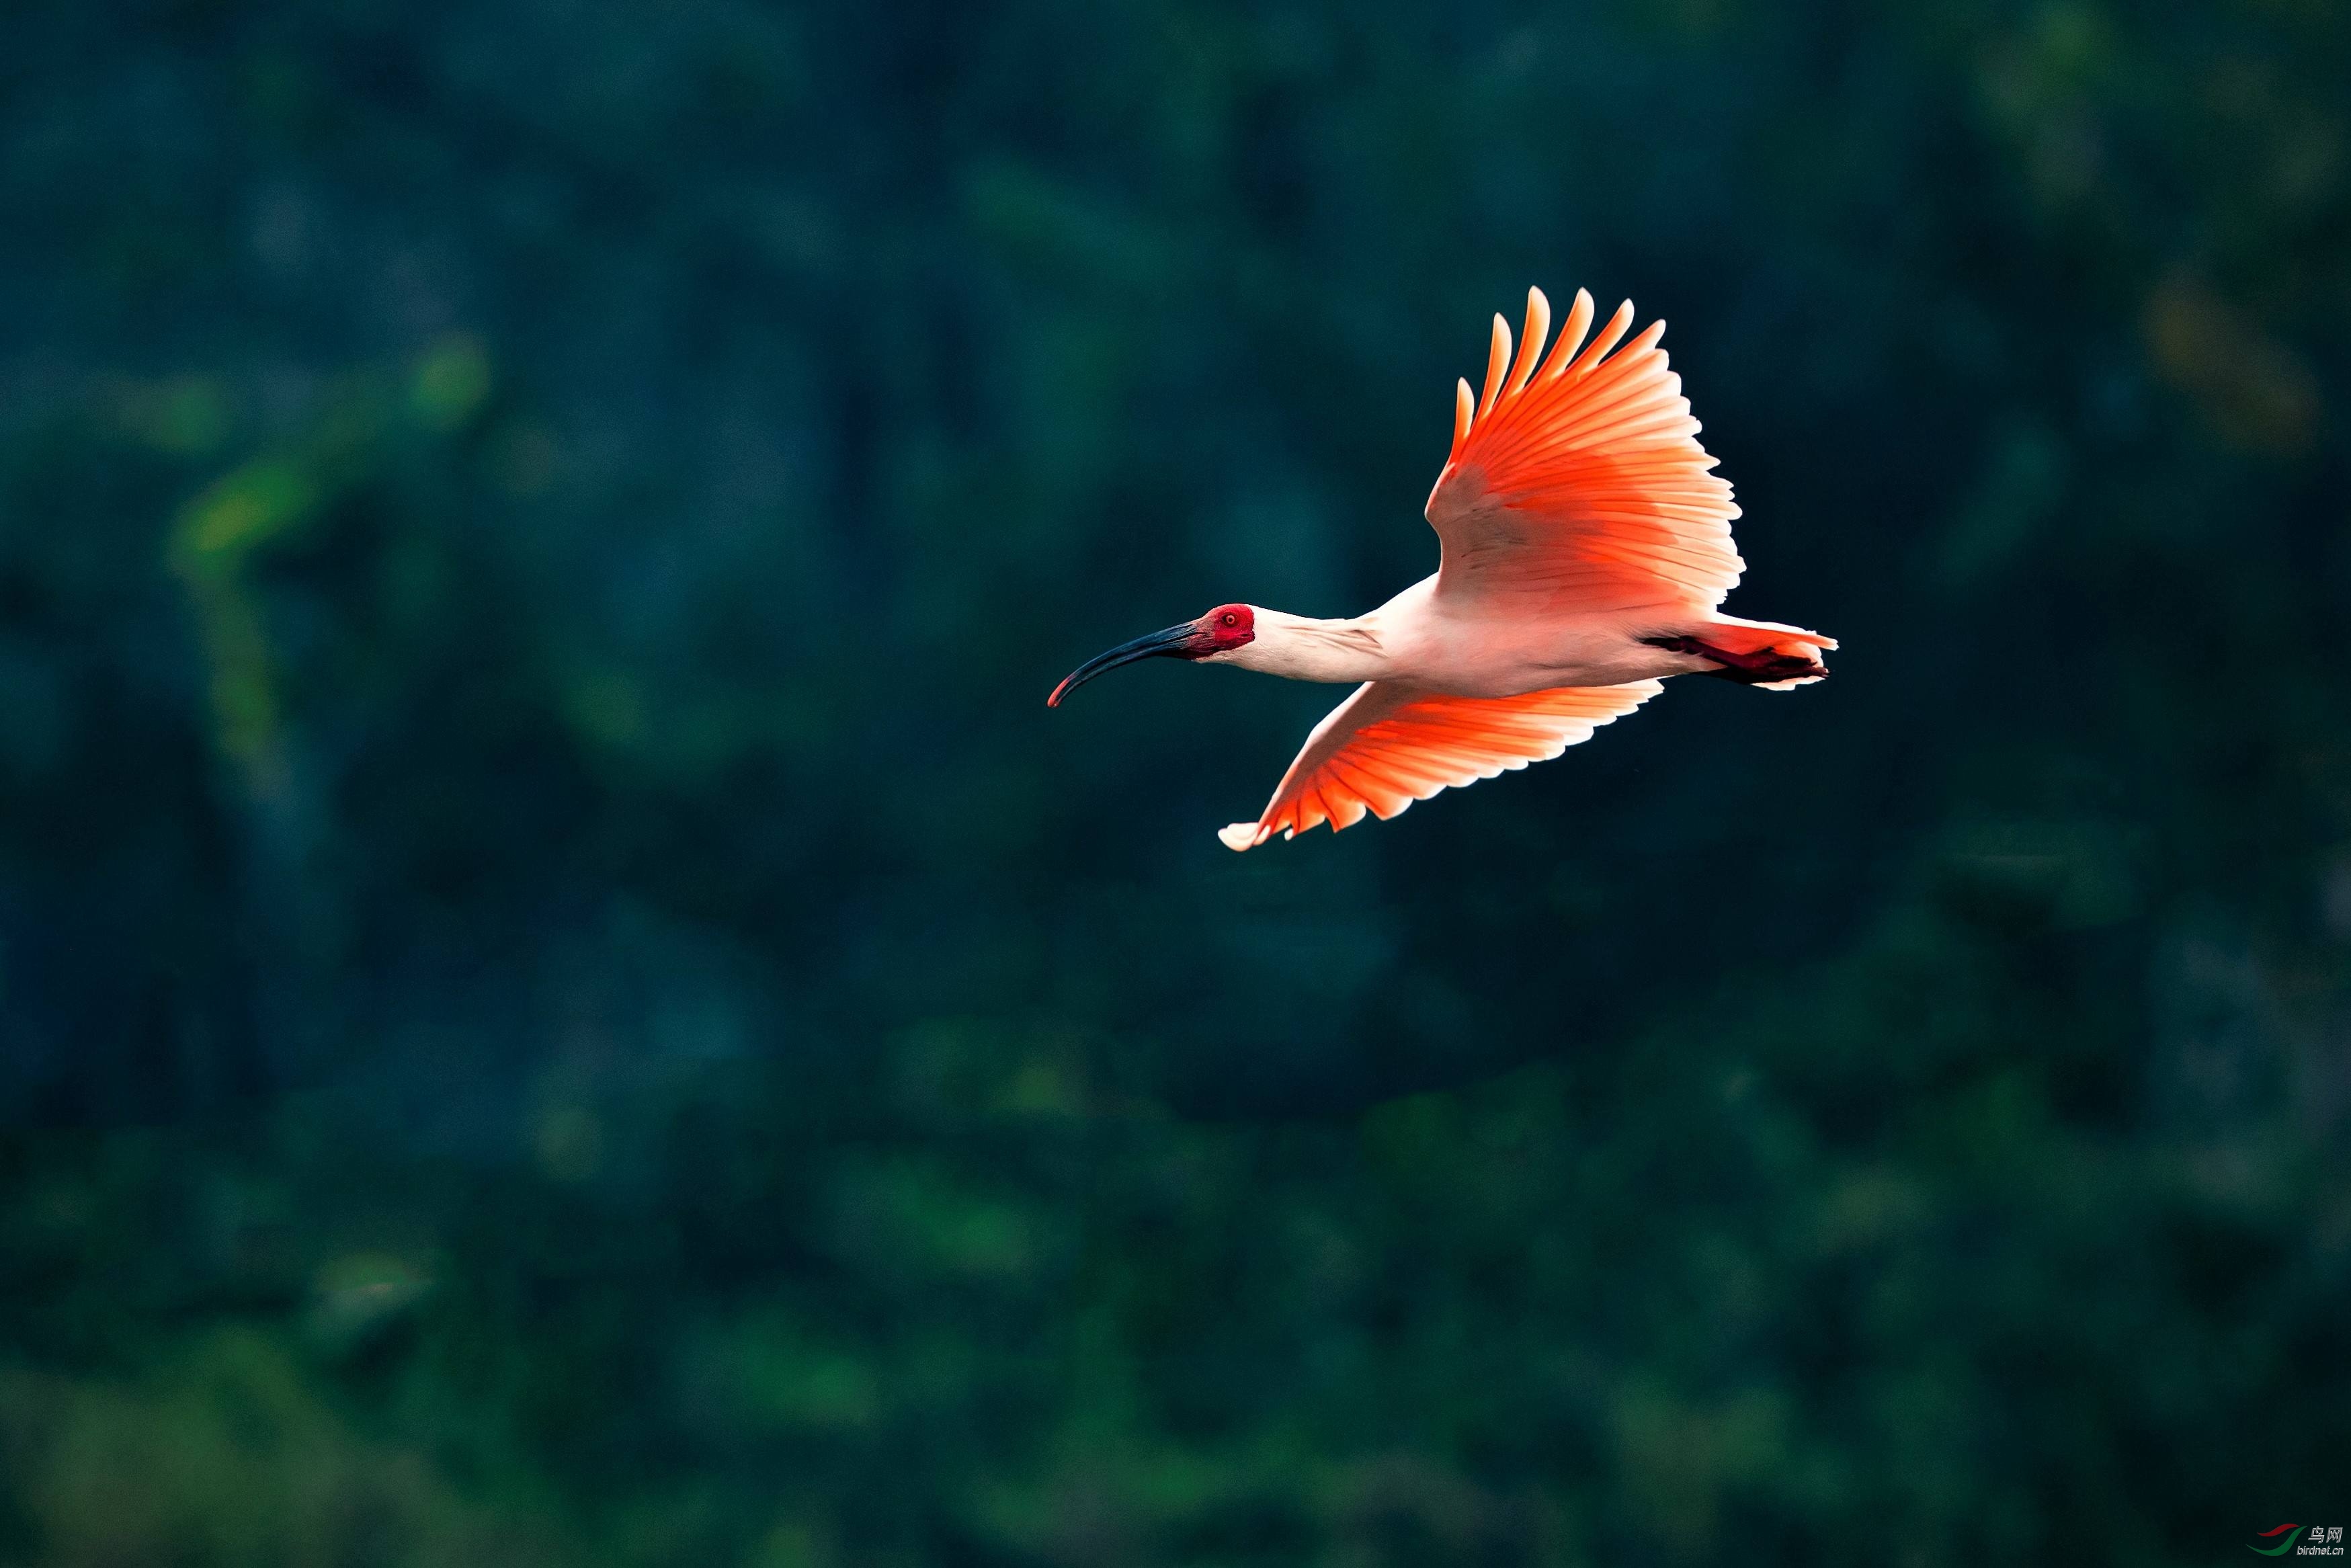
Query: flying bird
[{"x": 1585, "y": 546}]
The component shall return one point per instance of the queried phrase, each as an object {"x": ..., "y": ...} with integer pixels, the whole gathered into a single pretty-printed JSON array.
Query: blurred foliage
[{"x": 564, "y": 1002}]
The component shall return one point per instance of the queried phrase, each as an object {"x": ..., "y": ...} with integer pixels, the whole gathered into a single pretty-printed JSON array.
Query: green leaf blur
[{"x": 563, "y": 1000}]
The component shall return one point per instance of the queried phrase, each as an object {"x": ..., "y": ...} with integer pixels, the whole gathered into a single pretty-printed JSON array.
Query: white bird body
[
  {"x": 1586, "y": 553},
  {"x": 1418, "y": 639}
]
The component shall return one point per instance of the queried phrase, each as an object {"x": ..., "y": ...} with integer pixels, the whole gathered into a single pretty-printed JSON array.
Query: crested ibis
[{"x": 1585, "y": 546}]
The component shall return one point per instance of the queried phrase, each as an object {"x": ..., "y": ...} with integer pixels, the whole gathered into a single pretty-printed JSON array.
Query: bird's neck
[{"x": 1298, "y": 648}]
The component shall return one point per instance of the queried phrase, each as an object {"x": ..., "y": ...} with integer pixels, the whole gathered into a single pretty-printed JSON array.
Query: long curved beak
[{"x": 1176, "y": 643}]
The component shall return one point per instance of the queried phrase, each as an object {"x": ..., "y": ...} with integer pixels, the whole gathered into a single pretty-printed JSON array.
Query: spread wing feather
[
  {"x": 1579, "y": 484},
  {"x": 1388, "y": 745}
]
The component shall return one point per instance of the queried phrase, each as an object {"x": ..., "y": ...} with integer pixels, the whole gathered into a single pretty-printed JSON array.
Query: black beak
[{"x": 1176, "y": 643}]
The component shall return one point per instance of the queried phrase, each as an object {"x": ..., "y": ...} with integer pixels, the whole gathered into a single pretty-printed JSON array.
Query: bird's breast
[{"x": 1498, "y": 657}]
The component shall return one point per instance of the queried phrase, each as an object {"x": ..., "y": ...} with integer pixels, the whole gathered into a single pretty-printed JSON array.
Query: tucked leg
[{"x": 1763, "y": 666}]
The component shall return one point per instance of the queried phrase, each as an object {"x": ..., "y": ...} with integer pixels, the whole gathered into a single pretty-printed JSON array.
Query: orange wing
[
  {"x": 1581, "y": 486},
  {"x": 1388, "y": 746}
]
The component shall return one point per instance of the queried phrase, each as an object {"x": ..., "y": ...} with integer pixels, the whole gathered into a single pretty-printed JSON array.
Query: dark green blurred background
[{"x": 566, "y": 1002}]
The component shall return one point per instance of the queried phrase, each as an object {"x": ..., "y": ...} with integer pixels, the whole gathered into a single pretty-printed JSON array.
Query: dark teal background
[{"x": 563, "y": 999}]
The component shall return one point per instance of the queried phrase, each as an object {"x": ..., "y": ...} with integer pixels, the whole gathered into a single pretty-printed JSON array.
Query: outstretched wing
[
  {"x": 1388, "y": 746},
  {"x": 1580, "y": 487}
]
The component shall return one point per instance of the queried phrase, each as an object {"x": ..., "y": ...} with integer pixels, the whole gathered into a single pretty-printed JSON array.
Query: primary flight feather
[{"x": 1586, "y": 546}]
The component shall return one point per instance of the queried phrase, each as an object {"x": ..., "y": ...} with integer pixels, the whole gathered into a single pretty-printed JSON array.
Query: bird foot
[{"x": 1764, "y": 666}]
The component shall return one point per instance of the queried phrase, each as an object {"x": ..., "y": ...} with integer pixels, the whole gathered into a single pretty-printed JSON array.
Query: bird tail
[{"x": 1736, "y": 634}]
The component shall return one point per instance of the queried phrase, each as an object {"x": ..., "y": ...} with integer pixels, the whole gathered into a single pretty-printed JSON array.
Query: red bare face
[{"x": 1230, "y": 626}]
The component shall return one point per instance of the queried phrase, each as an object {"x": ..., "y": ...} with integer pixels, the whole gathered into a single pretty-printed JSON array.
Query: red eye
[{"x": 1231, "y": 619}]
